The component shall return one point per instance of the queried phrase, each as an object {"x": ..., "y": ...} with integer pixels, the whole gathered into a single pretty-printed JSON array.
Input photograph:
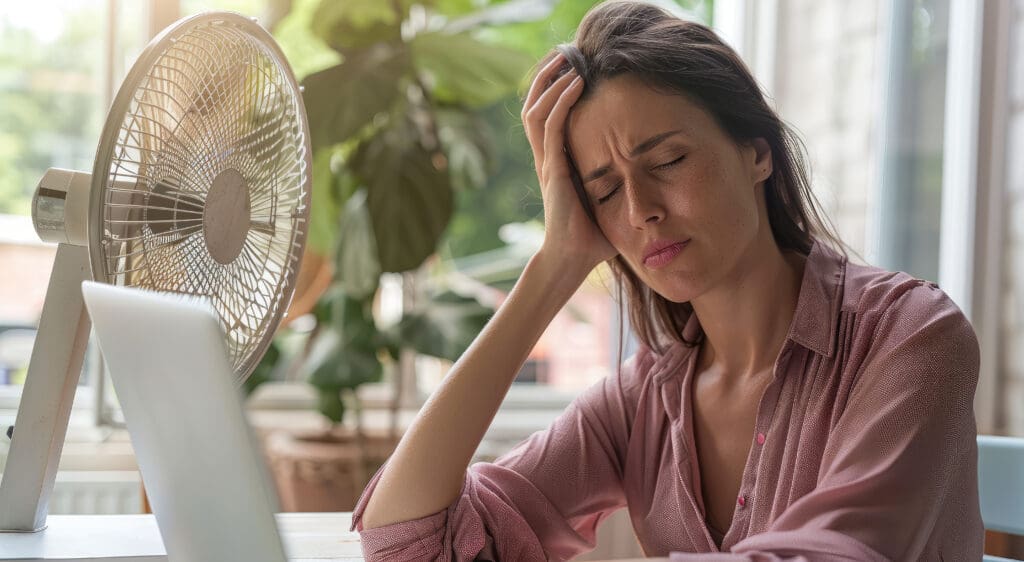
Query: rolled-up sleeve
[
  {"x": 903, "y": 449},
  {"x": 542, "y": 500}
]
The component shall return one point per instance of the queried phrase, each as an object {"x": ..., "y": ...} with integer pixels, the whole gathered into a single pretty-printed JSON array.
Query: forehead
[{"x": 623, "y": 111}]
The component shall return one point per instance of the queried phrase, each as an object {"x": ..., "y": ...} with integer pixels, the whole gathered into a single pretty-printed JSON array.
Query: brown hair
[{"x": 675, "y": 56}]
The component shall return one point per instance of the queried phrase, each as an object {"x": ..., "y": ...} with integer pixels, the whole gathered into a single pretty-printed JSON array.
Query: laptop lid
[{"x": 206, "y": 481}]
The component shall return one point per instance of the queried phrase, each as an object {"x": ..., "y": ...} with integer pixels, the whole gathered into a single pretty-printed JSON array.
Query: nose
[{"x": 644, "y": 207}]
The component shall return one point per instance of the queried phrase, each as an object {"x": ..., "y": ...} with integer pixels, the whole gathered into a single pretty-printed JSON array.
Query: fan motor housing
[{"x": 60, "y": 207}]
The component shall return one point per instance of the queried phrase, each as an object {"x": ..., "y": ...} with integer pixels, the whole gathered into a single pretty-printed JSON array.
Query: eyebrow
[{"x": 640, "y": 149}]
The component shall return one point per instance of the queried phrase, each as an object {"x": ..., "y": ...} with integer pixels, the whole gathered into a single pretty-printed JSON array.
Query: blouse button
[
  {"x": 742, "y": 501},
  {"x": 760, "y": 439}
]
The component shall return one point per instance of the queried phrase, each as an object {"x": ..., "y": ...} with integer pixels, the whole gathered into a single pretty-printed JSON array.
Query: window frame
[
  {"x": 972, "y": 272},
  {"x": 975, "y": 112},
  {"x": 750, "y": 28}
]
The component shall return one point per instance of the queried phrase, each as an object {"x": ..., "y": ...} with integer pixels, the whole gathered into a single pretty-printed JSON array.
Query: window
[
  {"x": 60, "y": 62},
  {"x": 910, "y": 203}
]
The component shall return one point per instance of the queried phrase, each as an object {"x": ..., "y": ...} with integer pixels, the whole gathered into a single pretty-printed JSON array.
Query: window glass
[
  {"x": 912, "y": 174},
  {"x": 60, "y": 63}
]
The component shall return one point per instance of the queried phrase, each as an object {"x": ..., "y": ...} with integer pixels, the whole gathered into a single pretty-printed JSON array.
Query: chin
[
  {"x": 680, "y": 292},
  {"x": 677, "y": 298}
]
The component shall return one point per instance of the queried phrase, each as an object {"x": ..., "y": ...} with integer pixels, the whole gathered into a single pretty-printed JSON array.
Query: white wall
[{"x": 826, "y": 86}]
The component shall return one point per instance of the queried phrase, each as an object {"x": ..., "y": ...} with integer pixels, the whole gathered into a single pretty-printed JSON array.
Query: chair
[{"x": 1001, "y": 485}]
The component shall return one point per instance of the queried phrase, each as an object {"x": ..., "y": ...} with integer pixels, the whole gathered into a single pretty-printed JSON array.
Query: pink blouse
[{"x": 864, "y": 447}]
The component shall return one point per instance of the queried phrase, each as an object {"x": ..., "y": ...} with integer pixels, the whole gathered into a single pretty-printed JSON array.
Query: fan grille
[{"x": 207, "y": 188}]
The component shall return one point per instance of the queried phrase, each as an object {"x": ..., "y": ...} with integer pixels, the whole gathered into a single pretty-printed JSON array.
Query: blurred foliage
[
  {"x": 50, "y": 100},
  {"x": 264, "y": 370},
  {"x": 418, "y": 149},
  {"x": 396, "y": 134},
  {"x": 413, "y": 109}
]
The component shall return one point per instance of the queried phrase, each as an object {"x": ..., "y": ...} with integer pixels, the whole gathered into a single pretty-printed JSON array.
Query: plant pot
[{"x": 317, "y": 470}]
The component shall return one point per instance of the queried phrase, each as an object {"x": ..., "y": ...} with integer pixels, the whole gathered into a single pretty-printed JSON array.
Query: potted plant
[{"x": 396, "y": 132}]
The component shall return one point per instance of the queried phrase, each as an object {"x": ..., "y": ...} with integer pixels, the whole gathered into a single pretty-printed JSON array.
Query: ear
[{"x": 762, "y": 164}]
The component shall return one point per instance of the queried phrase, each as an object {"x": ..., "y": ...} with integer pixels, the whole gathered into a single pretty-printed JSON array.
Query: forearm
[{"x": 426, "y": 471}]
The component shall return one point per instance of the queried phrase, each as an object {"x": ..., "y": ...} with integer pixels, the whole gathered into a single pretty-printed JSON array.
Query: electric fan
[{"x": 200, "y": 186}]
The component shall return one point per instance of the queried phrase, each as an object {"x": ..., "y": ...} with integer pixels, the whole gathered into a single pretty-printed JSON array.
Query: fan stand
[{"x": 42, "y": 421}]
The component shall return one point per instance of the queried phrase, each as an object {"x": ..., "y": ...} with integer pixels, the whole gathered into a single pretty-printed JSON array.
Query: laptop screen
[{"x": 200, "y": 463}]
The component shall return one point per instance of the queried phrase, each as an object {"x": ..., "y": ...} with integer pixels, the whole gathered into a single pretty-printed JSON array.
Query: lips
[
  {"x": 660, "y": 252},
  {"x": 659, "y": 245}
]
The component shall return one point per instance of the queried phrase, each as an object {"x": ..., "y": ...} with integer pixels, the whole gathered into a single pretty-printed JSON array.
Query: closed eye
[
  {"x": 672, "y": 163},
  {"x": 666, "y": 165},
  {"x": 601, "y": 200}
]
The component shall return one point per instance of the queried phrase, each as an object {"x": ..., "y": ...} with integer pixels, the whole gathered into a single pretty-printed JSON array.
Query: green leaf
[
  {"x": 264, "y": 369},
  {"x": 454, "y": 7},
  {"x": 461, "y": 70},
  {"x": 344, "y": 98},
  {"x": 505, "y": 13},
  {"x": 353, "y": 319},
  {"x": 329, "y": 403},
  {"x": 409, "y": 195},
  {"x": 356, "y": 265},
  {"x": 323, "y": 212},
  {"x": 306, "y": 53},
  {"x": 334, "y": 363},
  {"x": 346, "y": 25},
  {"x": 537, "y": 37},
  {"x": 468, "y": 142},
  {"x": 445, "y": 326}
]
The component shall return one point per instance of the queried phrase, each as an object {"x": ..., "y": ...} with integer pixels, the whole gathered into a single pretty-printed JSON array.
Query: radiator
[{"x": 96, "y": 492}]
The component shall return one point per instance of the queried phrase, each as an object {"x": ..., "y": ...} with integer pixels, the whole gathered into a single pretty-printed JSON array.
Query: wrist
[{"x": 558, "y": 271}]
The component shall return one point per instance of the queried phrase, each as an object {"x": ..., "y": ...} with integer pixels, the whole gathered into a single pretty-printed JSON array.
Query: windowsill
[
  {"x": 301, "y": 395},
  {"x": 290, "y": 407}
]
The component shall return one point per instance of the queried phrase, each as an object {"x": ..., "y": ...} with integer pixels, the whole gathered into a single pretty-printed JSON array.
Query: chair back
[{"x": 1001, "y": 485}]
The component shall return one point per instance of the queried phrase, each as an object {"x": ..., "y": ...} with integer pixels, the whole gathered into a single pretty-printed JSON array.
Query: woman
[{"x": 785, "y": 404}]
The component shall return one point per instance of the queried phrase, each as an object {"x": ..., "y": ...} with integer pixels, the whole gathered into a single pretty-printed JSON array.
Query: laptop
[{"x": 206, "y": 480}]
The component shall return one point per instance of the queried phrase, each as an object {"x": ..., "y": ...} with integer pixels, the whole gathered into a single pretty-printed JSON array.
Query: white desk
[{"x": 308, "y": 537}]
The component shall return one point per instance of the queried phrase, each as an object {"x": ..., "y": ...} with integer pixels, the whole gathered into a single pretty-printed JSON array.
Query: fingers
[
  {"x": 542, "y": 81},
  {"x": 554, "y": 126},
  {"x": 540, "y": 116}
]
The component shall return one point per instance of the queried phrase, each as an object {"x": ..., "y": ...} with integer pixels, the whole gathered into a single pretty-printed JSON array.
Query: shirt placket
[
  {"x": 686, "y": 465},
  {"x": 765, "y": 412}
]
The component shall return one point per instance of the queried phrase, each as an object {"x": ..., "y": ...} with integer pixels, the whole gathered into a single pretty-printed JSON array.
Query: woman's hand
[{"x": 569, "y": 235}]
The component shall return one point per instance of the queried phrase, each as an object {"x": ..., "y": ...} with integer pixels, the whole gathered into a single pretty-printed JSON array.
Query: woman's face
[{"x": 659, "y": 170}]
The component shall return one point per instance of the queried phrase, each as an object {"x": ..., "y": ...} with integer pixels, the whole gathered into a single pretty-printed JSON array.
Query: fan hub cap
[{"x": 226, "y": 216}]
